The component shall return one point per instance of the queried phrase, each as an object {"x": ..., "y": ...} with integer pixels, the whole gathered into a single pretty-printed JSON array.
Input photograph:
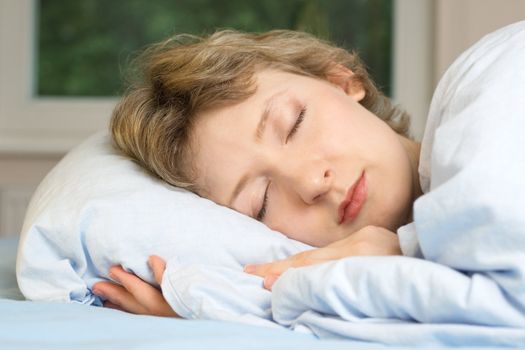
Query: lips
[{"x": 354, "y": 200}]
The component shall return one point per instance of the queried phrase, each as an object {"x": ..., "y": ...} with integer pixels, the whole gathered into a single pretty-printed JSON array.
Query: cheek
[
  {"x": 339, "y": 130},
  {"x": 307, "y": 225},
  {"x": 391, "y": 190}
]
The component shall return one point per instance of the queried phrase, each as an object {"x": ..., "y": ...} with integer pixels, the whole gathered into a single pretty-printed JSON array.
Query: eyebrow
[{"x": 259, "y": 132}]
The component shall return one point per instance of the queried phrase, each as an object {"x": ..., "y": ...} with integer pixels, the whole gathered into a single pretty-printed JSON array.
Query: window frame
[
  {"x": 29, "y": 124},
  {"x": 413, "y": 60},
  {"x": 53, "y": 125}
]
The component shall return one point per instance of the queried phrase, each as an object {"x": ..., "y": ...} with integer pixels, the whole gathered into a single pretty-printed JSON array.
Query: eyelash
[
  {"x": 297, "y": 124},
  {"x": 262, "y": 213}
]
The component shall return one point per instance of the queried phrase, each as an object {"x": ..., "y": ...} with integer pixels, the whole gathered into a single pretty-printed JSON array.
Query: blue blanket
[{"x": 397, "y": 300}]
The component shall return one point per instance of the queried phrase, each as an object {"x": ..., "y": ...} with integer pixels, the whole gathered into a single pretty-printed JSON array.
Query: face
[{"x": 304, "y": 157}]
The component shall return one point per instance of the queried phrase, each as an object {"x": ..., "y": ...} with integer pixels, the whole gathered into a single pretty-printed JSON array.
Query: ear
[{"x": 343, "y": 78}]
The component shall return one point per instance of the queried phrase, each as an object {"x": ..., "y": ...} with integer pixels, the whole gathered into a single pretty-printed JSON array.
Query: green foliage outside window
[{"x": 83, "y": 46}]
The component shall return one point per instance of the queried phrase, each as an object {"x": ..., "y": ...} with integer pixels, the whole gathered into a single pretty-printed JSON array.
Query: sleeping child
[{"x": 410, "y": 241}]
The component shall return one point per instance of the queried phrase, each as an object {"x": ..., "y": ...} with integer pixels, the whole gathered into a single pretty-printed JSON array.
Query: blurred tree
[{"x": 82, "y": 45}]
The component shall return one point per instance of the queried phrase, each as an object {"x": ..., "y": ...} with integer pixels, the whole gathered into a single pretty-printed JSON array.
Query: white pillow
[{"x": 97, "y": 208}]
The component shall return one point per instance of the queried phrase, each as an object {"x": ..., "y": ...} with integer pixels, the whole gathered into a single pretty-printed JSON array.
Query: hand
[
  {"x": 370, "y": 240},
  {"x": 133, "y": 294}
]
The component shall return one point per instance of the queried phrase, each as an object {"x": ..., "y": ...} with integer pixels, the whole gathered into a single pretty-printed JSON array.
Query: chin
[{"x": 390, "y": 219}]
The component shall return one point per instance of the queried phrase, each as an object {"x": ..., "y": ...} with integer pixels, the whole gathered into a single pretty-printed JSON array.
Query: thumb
[{"x": 158, "y": 266}]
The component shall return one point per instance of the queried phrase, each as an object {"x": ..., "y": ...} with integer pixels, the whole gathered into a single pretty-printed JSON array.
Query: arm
[
  {"x": 353, "y": 286},
  {"x": 369, "y": 241},
  {"x": 132, "y": 294}
]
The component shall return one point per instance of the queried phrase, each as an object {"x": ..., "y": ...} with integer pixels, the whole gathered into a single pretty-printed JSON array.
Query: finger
[
  {"x": 103, "y": 288},
  {"x": 118, "y": 295},
  {"x": 136, "y": 286},
  {"x": 158, "y": 265},
  {"x": 257, "y": 269},
  {"x": 269, "y": 281},
  {"x": 264, "y": 270},
  {"x": 96, "y": 286},
  {"x": 110, "y": 305},
  {"x": 147, "y": 298}
]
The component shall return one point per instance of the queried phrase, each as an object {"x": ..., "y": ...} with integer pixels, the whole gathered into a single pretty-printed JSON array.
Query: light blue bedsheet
[{"x": 42, "y": 325}]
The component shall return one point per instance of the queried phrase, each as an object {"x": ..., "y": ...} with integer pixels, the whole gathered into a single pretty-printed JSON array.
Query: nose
[{"x": 310, "y": 181}]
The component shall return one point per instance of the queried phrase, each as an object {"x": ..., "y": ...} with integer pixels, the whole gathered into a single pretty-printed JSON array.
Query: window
[
  {"x": 61, "y": 74},
  {"x": 82, "y": 45}
]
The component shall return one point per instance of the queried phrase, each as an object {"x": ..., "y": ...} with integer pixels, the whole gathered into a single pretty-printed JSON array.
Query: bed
[
  {"x": 468, "y": 290},
  {"x": 97, "y": 209},
  {"x": 47, "y": 325}
]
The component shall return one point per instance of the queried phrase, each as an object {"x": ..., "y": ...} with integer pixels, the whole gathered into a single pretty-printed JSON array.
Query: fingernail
[
  {"x": 250, "y": 268},
  {"x": 113, "y": 276},
  {"x": 98, "y": 292},
  {"x": 269, "y": 281}
]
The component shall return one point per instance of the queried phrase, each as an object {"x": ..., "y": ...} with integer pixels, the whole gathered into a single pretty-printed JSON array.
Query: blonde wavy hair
[{"x": 186, "y": 74}]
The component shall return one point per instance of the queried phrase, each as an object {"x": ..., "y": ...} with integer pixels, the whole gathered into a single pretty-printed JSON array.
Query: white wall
[
  {"x": 413, "y": 59},
  {"x": 436, "y": 33},
  {"x": 19, "y": 176},
  {"x": 460, "y": 23}
]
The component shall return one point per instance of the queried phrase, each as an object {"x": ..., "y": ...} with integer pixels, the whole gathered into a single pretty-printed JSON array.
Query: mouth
[{"x": 354, "y": 200}]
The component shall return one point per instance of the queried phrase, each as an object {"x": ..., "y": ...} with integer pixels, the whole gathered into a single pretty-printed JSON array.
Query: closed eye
[
  {"x": 297, "y": 124},
  {"x": 262, "y": 213}
]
